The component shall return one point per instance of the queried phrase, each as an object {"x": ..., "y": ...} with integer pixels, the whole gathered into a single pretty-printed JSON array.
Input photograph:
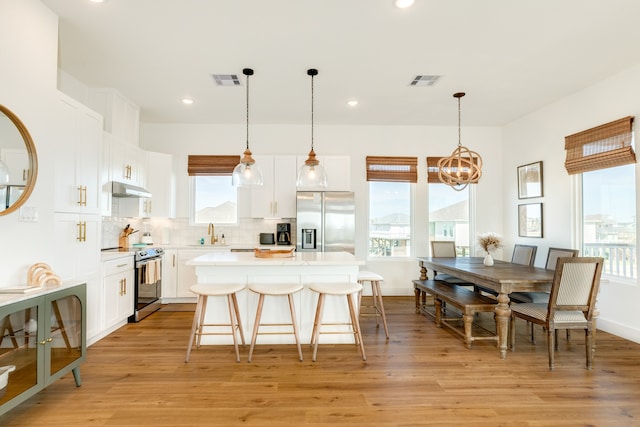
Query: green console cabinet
[{"x": 44, "y": 337}]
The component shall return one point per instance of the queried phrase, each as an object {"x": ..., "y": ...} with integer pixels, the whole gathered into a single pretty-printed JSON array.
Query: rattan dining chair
[{"x": 571, "y": 304}]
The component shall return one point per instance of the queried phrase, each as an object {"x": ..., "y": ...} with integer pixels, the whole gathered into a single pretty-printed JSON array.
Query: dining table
[{"x": 502, "y": 277}]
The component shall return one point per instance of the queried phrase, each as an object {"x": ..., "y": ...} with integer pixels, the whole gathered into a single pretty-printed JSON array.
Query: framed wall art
[
  {"x": 530, "y": 220},
  {"x": 530, "y": 180}
]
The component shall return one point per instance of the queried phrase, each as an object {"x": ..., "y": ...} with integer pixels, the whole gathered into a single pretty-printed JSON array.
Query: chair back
[
  {"x": 575, "y": 286},
  {"x": 443, "y": 249},
  {"x": 524, "y": 254},
  {"x": 555, "y": 253}
]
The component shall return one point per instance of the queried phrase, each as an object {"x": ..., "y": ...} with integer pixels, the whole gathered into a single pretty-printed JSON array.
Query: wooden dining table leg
[{"x": 502, "y": 315}]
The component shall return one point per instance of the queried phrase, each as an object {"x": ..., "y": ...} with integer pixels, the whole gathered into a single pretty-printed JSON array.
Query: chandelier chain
[{"x": 459, "y": 127}]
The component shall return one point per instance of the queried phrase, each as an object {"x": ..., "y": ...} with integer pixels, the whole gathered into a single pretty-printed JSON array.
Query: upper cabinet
[
  {"x": 160, "y": 183},
  {"x": 277, "y": 197},
  {"x": 17, "y": 160},
  {"x": 121, "y": 115},
  {"x": 78, "y": 158},
  {"x": 338, "y": 169},
  {"x": 128, "y": 163}
]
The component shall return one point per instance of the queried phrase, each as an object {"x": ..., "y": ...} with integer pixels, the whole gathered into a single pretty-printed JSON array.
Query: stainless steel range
[{"x": 148, "y": 282}]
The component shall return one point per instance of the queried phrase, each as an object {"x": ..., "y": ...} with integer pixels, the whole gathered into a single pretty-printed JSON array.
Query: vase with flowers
[{"x": 489, "y": 242}]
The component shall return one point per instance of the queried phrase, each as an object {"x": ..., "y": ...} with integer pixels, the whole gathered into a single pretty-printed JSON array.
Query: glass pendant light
[
  {"x": 463, "y": 166},
  {"x": 312, "y": 174},
  {"x": 247, "y": 173}
]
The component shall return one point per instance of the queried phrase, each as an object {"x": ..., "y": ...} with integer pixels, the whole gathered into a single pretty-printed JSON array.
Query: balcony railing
[{"x": 620, "y": 259}]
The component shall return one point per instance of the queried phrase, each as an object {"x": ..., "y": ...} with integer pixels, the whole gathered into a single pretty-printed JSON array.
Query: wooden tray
[{"x": 274, "y": 253}]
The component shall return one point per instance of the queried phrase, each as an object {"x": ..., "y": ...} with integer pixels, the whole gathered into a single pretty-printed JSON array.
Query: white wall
[
  {"x": 356, "y": 142},
  {"x": 28, "y": 57},
  {"x": 540, "y": 136}
]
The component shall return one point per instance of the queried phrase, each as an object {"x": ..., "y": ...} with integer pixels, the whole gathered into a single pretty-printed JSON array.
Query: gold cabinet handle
[
  {"x": 79, "y": 236},
  {"x": 84, "y": 194},
  {"x": 46, "y": 341},
  {"x": 84, "y": 231},
  {"x": 124, "y": 286}
]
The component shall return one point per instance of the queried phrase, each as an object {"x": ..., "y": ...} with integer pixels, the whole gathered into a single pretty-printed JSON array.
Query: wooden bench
[{"x": 468, "y": 302}]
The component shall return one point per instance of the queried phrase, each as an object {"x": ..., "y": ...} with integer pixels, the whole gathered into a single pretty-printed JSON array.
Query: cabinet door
[
  {"x": 78, "y": 136},
  {"x": 125, "y": 162},
  {"x": 262, "y": 197},
  {"x": 338, "y": 169},
  {"x": 19, "y": 347},
  {"x": 160, "y": 182},
  {"x": 77, "y": 238},
  {"x": 17, "y": 159},
  {"x": 64, "y": 334},
  {"x": 186, "y": 273},
  {"x": 170, "y": 274},
  {"x": 118, "y": 298},
  {"x": 277, "y": 197}
]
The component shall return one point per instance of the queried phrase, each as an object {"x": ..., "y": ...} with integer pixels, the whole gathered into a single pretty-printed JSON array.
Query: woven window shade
[
  {"x": 432, "y": 170},
  {"x": 392, "y": 169},
  {"x": 601, "y": 147},
  {"x": 211, "y": 165}
]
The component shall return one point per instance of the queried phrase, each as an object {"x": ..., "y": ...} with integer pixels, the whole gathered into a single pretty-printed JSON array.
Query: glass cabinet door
[
  {"x": 18, "y": 350},
  {"x": 64, "y": 335}
]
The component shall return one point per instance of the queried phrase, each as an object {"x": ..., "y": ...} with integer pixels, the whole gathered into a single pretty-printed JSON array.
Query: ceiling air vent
[
  {"x": 425, "y": 80},
  {"x": 226, "y": 79}
]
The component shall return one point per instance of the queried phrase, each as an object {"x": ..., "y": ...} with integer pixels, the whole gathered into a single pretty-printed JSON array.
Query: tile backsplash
[{"x": 178, "y": 232}]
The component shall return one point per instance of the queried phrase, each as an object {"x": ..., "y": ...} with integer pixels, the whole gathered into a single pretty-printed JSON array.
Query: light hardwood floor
[{"x": 421, "y": 376}]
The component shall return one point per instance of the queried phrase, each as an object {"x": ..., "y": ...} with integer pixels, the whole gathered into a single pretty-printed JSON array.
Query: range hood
[{"x": 120, "y": 189}]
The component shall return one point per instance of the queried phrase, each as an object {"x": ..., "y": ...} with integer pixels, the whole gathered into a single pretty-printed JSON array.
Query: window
[
  {"x": 609, "y": 218},
  {"x": 215, "y": 199},
  {"x": 449, "y": 216},
  {"x": 390, "y": 219},
  {"x": 391, "y": 182},
  {"x": 605, "y": 157}
]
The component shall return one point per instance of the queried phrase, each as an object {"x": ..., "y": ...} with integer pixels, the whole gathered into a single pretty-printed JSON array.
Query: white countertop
[
  {"x": 218, "y": 258},
  {"x": 9, "y": 298}
]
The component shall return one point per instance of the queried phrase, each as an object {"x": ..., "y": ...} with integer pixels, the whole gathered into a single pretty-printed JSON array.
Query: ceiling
[{"x": 510, "y": 57}]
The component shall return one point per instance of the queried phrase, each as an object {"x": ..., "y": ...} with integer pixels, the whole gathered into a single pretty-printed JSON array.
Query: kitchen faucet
[{"x": 211, "y": 231}]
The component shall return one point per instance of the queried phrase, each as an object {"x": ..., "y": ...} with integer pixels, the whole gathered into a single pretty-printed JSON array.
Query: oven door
[{"x": 148, "y": 287}]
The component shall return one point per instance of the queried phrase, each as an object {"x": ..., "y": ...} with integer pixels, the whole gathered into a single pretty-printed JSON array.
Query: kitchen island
[{"x": 304, "y": 267}]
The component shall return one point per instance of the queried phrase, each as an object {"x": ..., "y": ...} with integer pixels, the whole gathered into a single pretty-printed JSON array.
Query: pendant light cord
[
  {"x": 459, "y": 131},
  {"x": 312, "y": 112},
  {"x": 248, "y": 111}
]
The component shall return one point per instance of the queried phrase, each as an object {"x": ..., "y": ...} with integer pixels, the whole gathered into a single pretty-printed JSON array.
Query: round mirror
[{"x": 18, "y": 162}]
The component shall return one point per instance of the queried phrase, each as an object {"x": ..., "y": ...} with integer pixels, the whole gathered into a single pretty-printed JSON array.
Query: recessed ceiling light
[
  {"x": 97, "y": 1},
  {"x": 403, "y": 4},
  {"x": 187, "y": 101},
  {"x": 352, "y": 102}
]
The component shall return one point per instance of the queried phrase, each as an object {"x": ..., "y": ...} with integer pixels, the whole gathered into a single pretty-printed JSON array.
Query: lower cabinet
[
  {"x": 44, "y": 338},
  {"x": 169, "y": 275},
  {"x": 186, "y": 274},
  {"x": 118, "y": 287}
]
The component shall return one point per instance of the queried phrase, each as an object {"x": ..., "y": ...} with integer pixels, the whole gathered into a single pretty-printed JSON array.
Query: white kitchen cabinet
[
  {"x": 17, "y": 160},
  {"x": 277, "y": 197},
  {"x": 169, "y": 275},
  {"x": 186, "y": 274},
  {"x": 338, "y": 169},
  {"x": 77, "y": 257},
  {"x": 127, "y": 163},
  {"x": 106, "y": 201},
  {"x": 160, "y": 183},
  {"x": 77, "y": 162},
  {"x": 121, "y": 115},
  {"x": 118, "y": 291}
]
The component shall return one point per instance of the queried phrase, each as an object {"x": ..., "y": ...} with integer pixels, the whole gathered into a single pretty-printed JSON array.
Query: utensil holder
[{"x": 123, "y": 241}]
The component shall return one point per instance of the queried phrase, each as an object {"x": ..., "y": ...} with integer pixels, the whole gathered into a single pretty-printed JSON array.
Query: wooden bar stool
[
  {"x": 347, "y": 289},
  {"x": 204, "y": 291},
  {"x": 376, "y": 294},
  {"x": 275, "y": 289}
]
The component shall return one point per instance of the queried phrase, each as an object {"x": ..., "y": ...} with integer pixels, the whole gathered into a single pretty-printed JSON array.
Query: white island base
[{"x": 304, "y": 268}]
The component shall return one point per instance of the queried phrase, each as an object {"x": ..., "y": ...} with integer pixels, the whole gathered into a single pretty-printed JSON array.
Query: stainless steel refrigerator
[{"x": 325, "y": 221}]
